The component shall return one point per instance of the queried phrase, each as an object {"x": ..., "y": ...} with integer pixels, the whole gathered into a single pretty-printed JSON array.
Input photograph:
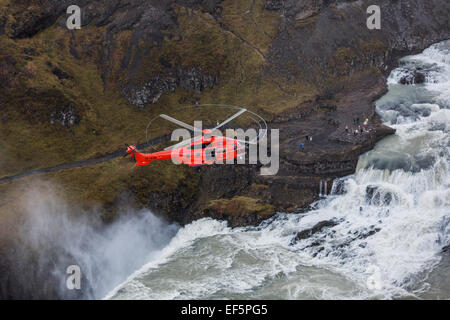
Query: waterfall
[
  {"x": 320, "y": 188},
  {"x": 386, "y": 225}
]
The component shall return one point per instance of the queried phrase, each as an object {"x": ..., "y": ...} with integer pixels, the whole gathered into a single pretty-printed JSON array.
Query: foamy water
[{"x": 392, "y": 220}]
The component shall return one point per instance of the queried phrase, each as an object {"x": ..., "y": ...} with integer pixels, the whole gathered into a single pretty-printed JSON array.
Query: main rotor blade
[
  {"x": 238, "y": 140},
  {"x": 178, "y": 122},
  {"x": 229, "y": 119}
]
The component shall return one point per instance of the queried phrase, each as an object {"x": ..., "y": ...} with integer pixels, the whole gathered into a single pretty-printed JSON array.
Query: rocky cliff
[{"x": 309, "y": 67}]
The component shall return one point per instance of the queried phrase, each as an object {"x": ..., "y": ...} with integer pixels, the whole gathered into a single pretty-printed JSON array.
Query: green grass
[{"x": 240, "y": 206}]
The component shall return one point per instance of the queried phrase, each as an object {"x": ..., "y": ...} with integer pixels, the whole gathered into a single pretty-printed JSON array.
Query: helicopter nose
[{"x": 130, "y": 149}]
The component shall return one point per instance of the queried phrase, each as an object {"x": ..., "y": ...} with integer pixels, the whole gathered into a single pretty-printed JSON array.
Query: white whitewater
[{"x": 392, "y": 220}]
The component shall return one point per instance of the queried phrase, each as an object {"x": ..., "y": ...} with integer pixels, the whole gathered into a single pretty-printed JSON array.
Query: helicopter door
[{"x": 210, "y": 154}]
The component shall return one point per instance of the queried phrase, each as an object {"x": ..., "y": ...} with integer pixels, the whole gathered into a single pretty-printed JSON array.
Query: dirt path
[{"x": 83, "y": 163}]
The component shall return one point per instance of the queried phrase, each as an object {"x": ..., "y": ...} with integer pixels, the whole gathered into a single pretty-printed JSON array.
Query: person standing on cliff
[{"x": 301, "y": 147}]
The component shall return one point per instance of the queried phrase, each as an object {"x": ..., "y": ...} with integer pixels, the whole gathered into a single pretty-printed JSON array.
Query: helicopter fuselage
[{"x": 200, "y": 152}]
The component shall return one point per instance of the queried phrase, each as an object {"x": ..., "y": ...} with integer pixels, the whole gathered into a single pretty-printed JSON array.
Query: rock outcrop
[
  {"x": 190, "y": 79},
  {"x": 305, "y": 234},
  {"x": 414, "y": 78}
]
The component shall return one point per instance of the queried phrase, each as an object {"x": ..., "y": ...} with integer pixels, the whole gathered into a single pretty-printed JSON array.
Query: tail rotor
[{"x": 131, "y": 150}]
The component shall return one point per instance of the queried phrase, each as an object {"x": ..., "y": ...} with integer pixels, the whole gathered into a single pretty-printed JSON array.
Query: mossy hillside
[
  {"x": 348, "y": 60},
  {"x": 105, "y": 116},
  {"x": 250, "y": 21},
  {"x": 218, "y": 48},
  {"x": 240, "y": 206},
  {"x": 107, "y": 119}
]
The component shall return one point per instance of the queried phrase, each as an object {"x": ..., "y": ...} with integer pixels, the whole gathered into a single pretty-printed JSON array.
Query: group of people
[
  {"x": 359, "y": 129},
  {"x": 307, "y": 139}
]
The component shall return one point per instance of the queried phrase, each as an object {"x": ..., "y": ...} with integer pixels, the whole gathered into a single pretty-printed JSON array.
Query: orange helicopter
[{"x": 205, "y": 148}]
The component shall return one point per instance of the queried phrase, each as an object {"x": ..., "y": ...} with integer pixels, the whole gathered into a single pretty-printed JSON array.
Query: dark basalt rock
[
  {"x": 207, "y": 5},
  {"x": 274, "y": 4},
  {"x": 298, "y": 10},
  {"x": 30, "y": 52},
  {"x": 66, "y": 116},
  {"x": 375, "y": 197},
  {"x": 337, "y": 246},
  {"x": 326, "y": 34},
  {"x": 192, "y": 79},
  {"x": 48, "y": 106},
  {"x": 30, "y": 22},
  {"x": 2, "y": 25},
  {"x": 61, "y": 74},
  {"x": 153, "y": 15},
  {"x": 58, "y": 72},
  {"x": 370, "y": 233},
  {"x": 305, "y": 234},
  {"x": 8, "y": 71},
  {"x": 414, "y": 78}
]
